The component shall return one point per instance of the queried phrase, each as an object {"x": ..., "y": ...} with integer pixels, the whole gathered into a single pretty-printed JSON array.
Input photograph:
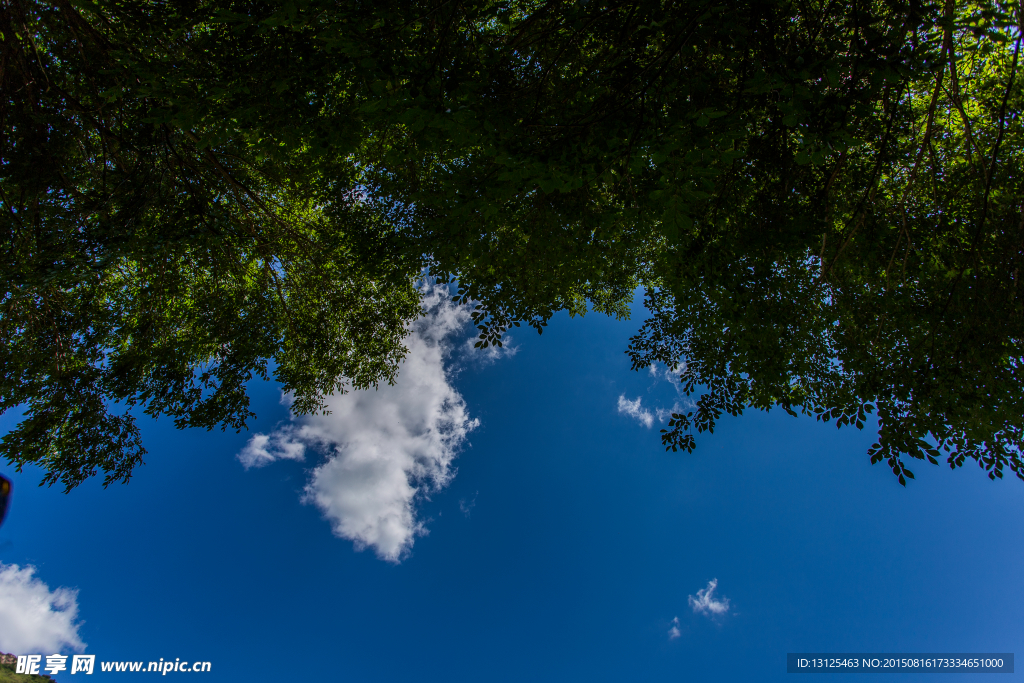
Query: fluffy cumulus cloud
[
  {"x": 706, "y": 603},
  {"x": 634, "y": 410},
  {"x": 387, "y": 447},
  {"x": 34, "y": 619}
]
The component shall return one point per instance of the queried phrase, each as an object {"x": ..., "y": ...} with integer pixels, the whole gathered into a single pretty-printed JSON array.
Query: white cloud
[
  {"x": 705, "y": 602},
  {"x": 674, "y": 632},
  {"x": 668, "y": 374},
  {"x": 648, "y": 416},
  {"x": 633, "y": 409},
  {"x": 467, "y": 507},
  {"x": 492, "y": 353},
  {"x": 387, "y": 448},
  {"x": 665, "y": 413},
  {"x": 264, "y": 449},
  {"x": 34, "y": 619}
]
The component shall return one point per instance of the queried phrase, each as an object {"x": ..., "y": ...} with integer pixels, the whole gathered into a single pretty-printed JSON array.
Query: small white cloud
[
  {"x": 264, "y": 449},
  {"x": 673, "y": 632},
  {"x": 472, "y": 354},
  {"x": 705, "y": 602},
  {"x": 387, "y": 448},
  {"x": 32, "y": 617},
  {"x": 467, "y": 507},
  {"x": 668, "y": 374},
  {"x": 664, "y": 414},
  {"x": 633, "y": 410}
]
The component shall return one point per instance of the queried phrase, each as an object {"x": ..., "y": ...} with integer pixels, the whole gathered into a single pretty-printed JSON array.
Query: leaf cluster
[{"x": 821, "y": 201}]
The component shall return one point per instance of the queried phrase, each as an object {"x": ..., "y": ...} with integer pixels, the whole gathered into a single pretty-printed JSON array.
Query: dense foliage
[
  {"x": 8, "y": 673},
  {"x": 822, "y": 201}
]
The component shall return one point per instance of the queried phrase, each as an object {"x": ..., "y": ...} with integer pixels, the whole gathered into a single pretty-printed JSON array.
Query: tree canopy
[{"x": 821, "y": 200}]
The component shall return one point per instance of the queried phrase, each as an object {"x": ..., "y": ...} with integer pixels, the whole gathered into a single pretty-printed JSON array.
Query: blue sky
[{"x": 516, "y": 522}]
